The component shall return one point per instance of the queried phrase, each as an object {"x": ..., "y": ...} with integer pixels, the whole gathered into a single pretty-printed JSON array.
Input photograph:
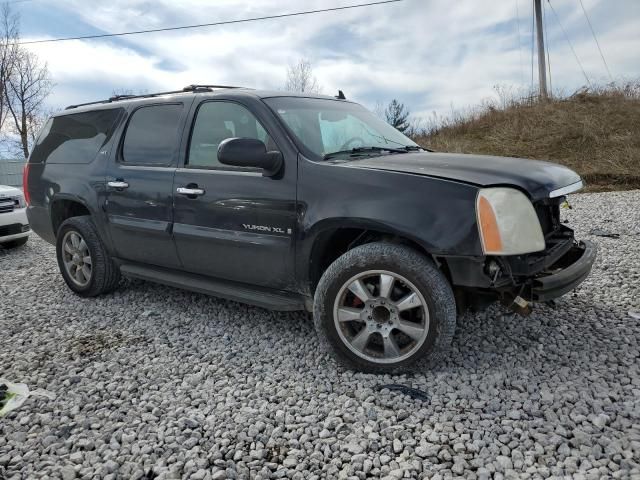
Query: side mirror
[{"x": 249, "y": 152}]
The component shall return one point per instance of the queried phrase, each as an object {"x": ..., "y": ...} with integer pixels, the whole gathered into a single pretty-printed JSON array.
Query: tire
[
  {"x": 418, "y": 327},
  {"x": 104, "y": 274},
  {"x": 15, "y": 243}
]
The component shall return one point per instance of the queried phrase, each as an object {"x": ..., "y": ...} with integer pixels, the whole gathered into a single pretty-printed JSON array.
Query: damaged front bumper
[
  {"x": 518, "y": 282},
  {"x": 565, "y": 274}
]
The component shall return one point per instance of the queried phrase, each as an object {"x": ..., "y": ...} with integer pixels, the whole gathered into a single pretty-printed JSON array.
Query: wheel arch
[
  {"x": 333, "y": 239},
  {"x": 64, "y": 207}
]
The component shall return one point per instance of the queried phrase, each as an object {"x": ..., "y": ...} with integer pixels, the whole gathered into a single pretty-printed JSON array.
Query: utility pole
[{"x": 542, "y": 68}]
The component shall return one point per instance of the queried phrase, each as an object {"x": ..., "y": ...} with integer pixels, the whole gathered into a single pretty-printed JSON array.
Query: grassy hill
[{"x": 595, "y": 132}]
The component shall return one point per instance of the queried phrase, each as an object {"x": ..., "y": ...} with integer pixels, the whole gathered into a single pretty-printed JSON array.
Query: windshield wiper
[{"x": 364, "y": 150}]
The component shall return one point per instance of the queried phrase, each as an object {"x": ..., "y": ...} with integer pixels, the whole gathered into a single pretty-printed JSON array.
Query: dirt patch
[{"x": 85, "y": 346}]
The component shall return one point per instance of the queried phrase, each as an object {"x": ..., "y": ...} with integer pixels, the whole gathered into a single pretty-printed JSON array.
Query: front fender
[{"x": 437, "y": 214}]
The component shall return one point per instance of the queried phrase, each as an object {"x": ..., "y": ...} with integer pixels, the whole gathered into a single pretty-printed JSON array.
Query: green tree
[{"x": 397, "y": 115}]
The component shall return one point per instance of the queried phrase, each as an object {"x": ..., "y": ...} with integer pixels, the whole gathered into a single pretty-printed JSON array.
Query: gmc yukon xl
[{"x": 293, "y": 202}]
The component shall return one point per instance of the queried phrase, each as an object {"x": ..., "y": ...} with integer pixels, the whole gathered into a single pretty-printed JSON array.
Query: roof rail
[
  {"x": 188, "y": 89},
  {"x": 193, "y": 88}
]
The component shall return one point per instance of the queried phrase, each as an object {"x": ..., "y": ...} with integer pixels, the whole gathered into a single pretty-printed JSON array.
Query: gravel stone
[
  {"x": 601, "y": 420},
  {"x": 76, "y": 457},
  {"x": 504, "y": 463},
  {"x": 459, "y": 447},
  {"x": 67, "y": 473},
  {"x": 154, "y": 382},
  {"x": 397, "y": 446}
]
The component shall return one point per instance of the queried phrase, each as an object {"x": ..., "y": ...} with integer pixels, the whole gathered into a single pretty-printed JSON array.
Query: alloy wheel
[
  {"x": 381, "y": 316},
  {"x": 77, "y": 258}
]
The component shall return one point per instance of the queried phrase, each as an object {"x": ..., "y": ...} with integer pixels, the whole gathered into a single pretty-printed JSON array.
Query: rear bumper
[{"x": 568, "y": 272}]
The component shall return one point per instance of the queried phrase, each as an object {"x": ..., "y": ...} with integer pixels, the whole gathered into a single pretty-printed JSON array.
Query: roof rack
[{"x": 188, "y": 89}]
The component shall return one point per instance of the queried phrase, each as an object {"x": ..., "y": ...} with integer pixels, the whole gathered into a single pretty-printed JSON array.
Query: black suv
[{"x": 293, "y": 202}]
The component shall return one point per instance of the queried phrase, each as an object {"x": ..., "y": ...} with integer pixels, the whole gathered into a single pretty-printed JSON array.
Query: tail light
[{"x": 25, "y": 183}]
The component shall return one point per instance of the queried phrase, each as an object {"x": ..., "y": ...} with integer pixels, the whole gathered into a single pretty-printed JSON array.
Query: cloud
[{"x": 430, "y": 54}]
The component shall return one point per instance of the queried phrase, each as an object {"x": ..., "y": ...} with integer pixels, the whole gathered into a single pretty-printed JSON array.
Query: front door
[
  {"x": 140, "y": 182},
  {"x": 233, "y": 223}
]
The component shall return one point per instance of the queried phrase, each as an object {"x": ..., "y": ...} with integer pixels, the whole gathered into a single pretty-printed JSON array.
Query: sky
[{"x": 435, "y": 56}]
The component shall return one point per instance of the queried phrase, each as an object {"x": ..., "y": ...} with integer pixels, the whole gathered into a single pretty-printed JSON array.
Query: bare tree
[
  {"x": 36, "y": 123},
  {"x": 25, "y": 83},
  {"x": 26, "y": 90},
  {"x": 8, "y": 52},
  {"x": 300, "y": 78},
  {"x": 124, "y": 92},
  {"x": 379, "y": 110},
  {"x": 121, "y": 92}
]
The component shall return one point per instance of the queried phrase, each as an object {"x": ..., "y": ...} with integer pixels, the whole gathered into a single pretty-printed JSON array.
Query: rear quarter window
[{"x": 75, "y": 138}]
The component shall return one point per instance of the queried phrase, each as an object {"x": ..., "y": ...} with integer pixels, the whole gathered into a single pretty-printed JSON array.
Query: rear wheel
[
  {"x": 382, "y": 307},
  {"x": 15, "y": 243},
  {"x": 84, "y": 262}
]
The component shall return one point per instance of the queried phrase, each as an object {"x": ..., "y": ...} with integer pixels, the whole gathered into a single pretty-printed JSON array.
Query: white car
[{"x": 14, "y": 226}]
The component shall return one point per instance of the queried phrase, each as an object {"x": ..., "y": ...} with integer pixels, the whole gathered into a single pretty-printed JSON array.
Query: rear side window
[
  {"x": 75, "y": 138},
  {"x": 152, "y": 135}
]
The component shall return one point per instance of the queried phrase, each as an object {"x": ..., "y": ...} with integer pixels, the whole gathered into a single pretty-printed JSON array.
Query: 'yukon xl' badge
[{"x": 266, "y": 228}]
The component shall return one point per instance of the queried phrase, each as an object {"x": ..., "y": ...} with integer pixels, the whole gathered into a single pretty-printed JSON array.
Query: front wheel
[{"x": 382, "y": 307}]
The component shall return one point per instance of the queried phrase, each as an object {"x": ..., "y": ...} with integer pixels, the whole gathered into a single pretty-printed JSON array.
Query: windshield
[{"x": 328, "y": 126}]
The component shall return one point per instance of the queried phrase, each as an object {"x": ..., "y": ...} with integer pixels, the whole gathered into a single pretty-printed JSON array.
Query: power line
[
  {"x": 212, "y": 24},
  {"x": 596, "y": 39},
  {"x": 569, "y": 42}
]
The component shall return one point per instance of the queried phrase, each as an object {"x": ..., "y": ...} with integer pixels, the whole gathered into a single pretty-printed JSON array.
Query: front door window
[{"x": 217, "y": 121}]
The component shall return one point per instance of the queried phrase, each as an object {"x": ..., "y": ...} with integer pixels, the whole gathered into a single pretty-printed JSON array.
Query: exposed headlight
[{"x": 507, "y": 222}]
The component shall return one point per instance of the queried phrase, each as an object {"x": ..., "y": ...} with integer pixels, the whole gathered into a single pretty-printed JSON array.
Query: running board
[{"x": 239, "y": 292}]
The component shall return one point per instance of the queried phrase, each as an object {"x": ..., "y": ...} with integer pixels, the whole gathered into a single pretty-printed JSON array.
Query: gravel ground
[{"x": 153, "y": 382}]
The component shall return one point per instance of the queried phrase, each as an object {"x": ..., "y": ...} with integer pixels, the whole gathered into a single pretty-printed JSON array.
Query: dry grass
[{"x": 595, "y": 132}]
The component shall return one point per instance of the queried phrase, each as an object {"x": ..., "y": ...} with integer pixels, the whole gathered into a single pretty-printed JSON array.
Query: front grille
[
  {"x": 12, "y": 229},
  {"x": 8, "y": 205},
  {"x": 549, "y": 216},
  {"x": 558, "y": 244}
]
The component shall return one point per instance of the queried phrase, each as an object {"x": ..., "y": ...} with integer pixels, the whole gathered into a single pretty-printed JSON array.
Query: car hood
[
  {"x": 533, "y": 176},
  {"x": 7, "y": 191}
]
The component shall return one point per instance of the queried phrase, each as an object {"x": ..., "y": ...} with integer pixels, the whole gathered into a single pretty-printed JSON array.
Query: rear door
[
  {"x": 236, "y": 224},
  {"x": 139, "y": 183}
]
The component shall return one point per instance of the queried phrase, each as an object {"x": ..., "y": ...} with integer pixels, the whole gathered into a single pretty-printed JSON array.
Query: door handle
[
  {"x": 190, "y": 191},
  {"x": 118, "y": 184}
]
